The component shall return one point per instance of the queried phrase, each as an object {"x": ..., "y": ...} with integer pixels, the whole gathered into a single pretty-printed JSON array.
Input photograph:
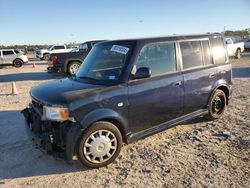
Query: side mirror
[{"x": 142, "y": 72}]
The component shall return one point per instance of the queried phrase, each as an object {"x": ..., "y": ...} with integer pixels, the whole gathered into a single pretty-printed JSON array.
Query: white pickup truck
[
  {"x": 44, "y": 54},
  {"x": 234, "y": 47}
]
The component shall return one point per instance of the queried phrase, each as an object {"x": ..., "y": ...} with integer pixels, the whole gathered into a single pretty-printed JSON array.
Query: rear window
[
  {"x": 191, "y": 54},
  {"x": 8, "y": 52},
  {"x": 218, "y": 50}
]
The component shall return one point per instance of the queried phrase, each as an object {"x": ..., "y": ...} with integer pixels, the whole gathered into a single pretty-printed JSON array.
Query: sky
[{"x": 65, "y": 21}]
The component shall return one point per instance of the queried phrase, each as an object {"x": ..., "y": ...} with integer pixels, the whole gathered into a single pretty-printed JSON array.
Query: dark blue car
[{"x": 128, "y": 89}]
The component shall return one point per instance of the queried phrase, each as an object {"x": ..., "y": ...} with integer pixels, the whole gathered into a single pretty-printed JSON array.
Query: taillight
[{"x": 53, "y": 59}]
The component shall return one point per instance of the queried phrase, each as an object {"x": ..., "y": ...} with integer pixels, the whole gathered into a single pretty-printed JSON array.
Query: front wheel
[
  {"x": 99, "y": 145},
  {"x": 17, "y": 63},
  {"x": 217, "y": 105},
  {"x": 46, "y": 57},
  {"x": 238, "y": 54}
]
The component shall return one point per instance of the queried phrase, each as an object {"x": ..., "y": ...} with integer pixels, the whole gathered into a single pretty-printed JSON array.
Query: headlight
[{"x": 55, "y": 113}]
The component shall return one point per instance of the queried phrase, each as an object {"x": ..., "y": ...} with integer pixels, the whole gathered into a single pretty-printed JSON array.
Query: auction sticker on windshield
[{"x": 120, "y": 49}]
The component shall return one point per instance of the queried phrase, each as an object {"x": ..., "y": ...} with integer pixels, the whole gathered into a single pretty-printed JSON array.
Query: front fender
[{"x": 103, "y": 113}]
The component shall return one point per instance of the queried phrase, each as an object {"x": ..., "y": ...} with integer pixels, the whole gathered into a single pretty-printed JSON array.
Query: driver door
[{"x": 158, "y": 99}]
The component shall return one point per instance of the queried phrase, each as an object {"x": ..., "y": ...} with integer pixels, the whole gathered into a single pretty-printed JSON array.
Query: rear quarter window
[{"x": 218, "y": 49}]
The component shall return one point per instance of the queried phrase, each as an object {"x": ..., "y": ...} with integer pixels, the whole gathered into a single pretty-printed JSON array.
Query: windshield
[
  {"x": 48, "y": 48},
  {"x": 104, "y": 63}
]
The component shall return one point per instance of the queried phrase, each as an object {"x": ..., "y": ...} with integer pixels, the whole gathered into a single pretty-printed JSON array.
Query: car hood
[{"x": 62, "y": 92}]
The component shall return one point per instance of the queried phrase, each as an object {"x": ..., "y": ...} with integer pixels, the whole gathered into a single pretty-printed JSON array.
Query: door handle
[
  {"x": 212, "y": 75},
  {"x": 177, "y": 83}
]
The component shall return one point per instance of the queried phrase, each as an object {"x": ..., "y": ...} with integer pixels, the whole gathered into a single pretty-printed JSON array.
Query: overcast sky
[{"x": 61, "y": 21}]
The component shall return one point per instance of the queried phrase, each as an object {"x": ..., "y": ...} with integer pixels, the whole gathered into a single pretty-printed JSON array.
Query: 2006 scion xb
[{"x": 129, "y": 89}]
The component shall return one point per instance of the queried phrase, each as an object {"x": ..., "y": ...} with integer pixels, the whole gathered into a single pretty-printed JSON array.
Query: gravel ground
[{"x": 199, "y": 153}]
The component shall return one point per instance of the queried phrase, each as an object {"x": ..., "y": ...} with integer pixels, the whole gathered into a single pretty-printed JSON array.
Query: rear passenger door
[
  {"x": 157, "y": 99},
  {"x": 200, "y": 74}
]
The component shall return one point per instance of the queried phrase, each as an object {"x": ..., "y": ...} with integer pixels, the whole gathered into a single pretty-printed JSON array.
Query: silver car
[{"x": 12, "y": 57}]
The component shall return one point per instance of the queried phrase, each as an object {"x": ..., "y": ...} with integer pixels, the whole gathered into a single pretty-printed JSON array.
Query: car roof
[{"x": 160, "y": 38}]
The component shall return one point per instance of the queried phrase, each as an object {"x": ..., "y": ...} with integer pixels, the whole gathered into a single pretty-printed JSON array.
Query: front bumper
[
  {"x": 39, "y": 55},
  {"x": 55, "y": 69},
  {"x": 54, "y": 137}
]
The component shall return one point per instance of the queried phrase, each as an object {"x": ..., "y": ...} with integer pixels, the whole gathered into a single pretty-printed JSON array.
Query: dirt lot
[{"x": 195, "y": 154}]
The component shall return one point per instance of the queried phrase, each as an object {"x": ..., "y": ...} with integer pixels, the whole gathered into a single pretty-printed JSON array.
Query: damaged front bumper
[{"x": 54, "y": 136}]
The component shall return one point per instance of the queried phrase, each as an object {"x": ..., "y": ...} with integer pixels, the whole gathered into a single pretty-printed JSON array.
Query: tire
[
  {"x": 96, "y": 151},
  {"x": 238, "y": 54},
  {"x": 46, "y": 57},
  {"x": 73, "y": 67},
  {"x": 217, "y": 105},
  {"x": 18, "y": 63}
]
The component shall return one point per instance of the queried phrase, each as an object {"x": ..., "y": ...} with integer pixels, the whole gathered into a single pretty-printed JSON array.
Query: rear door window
[
  {"x": 8, "y": 52},
  {"x": 191, "y": 54},
  {"x": 159, "y": 57}
]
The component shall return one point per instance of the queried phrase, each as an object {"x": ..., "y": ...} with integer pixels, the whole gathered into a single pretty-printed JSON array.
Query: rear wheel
[
  {"x": 99, "y": 145},
  {"x": 217, "y": 105},
  {"x": 238, "y": 54},
  {"x": 17, "y": 63},
  {"x": 73, "y": 68}
]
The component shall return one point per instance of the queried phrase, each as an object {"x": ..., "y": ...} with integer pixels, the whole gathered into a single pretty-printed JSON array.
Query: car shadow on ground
[
  {"x": 29, "y": 76},
  {"x": 19, "y": 154},
  {"x": 241, "y": 72}
]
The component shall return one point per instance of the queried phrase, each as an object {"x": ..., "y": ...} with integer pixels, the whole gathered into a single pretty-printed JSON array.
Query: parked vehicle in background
[
  {"x": 129, "y": 89},
  {"x": 235, "y": 46},
  {"x": 70, "y": 62},
  {"x": 44, "y": 54},
  {"x": 247, "y": 44},
  {"x": 12, "y": 57}
]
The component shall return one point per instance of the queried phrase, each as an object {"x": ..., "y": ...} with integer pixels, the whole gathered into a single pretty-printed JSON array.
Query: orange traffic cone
[
  {"x": 14, "y": 89},
  {"x": 34, "y": 65}
]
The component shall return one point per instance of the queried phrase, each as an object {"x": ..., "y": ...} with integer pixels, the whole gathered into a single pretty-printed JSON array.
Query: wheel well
[
  {"x": 238, "y": 49},
  {"x": 118, "y": 125},
  {"x": 74, "y": 61},
  {"x": 225, "y": 90},
  {"x": 68, "y": 63}
]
